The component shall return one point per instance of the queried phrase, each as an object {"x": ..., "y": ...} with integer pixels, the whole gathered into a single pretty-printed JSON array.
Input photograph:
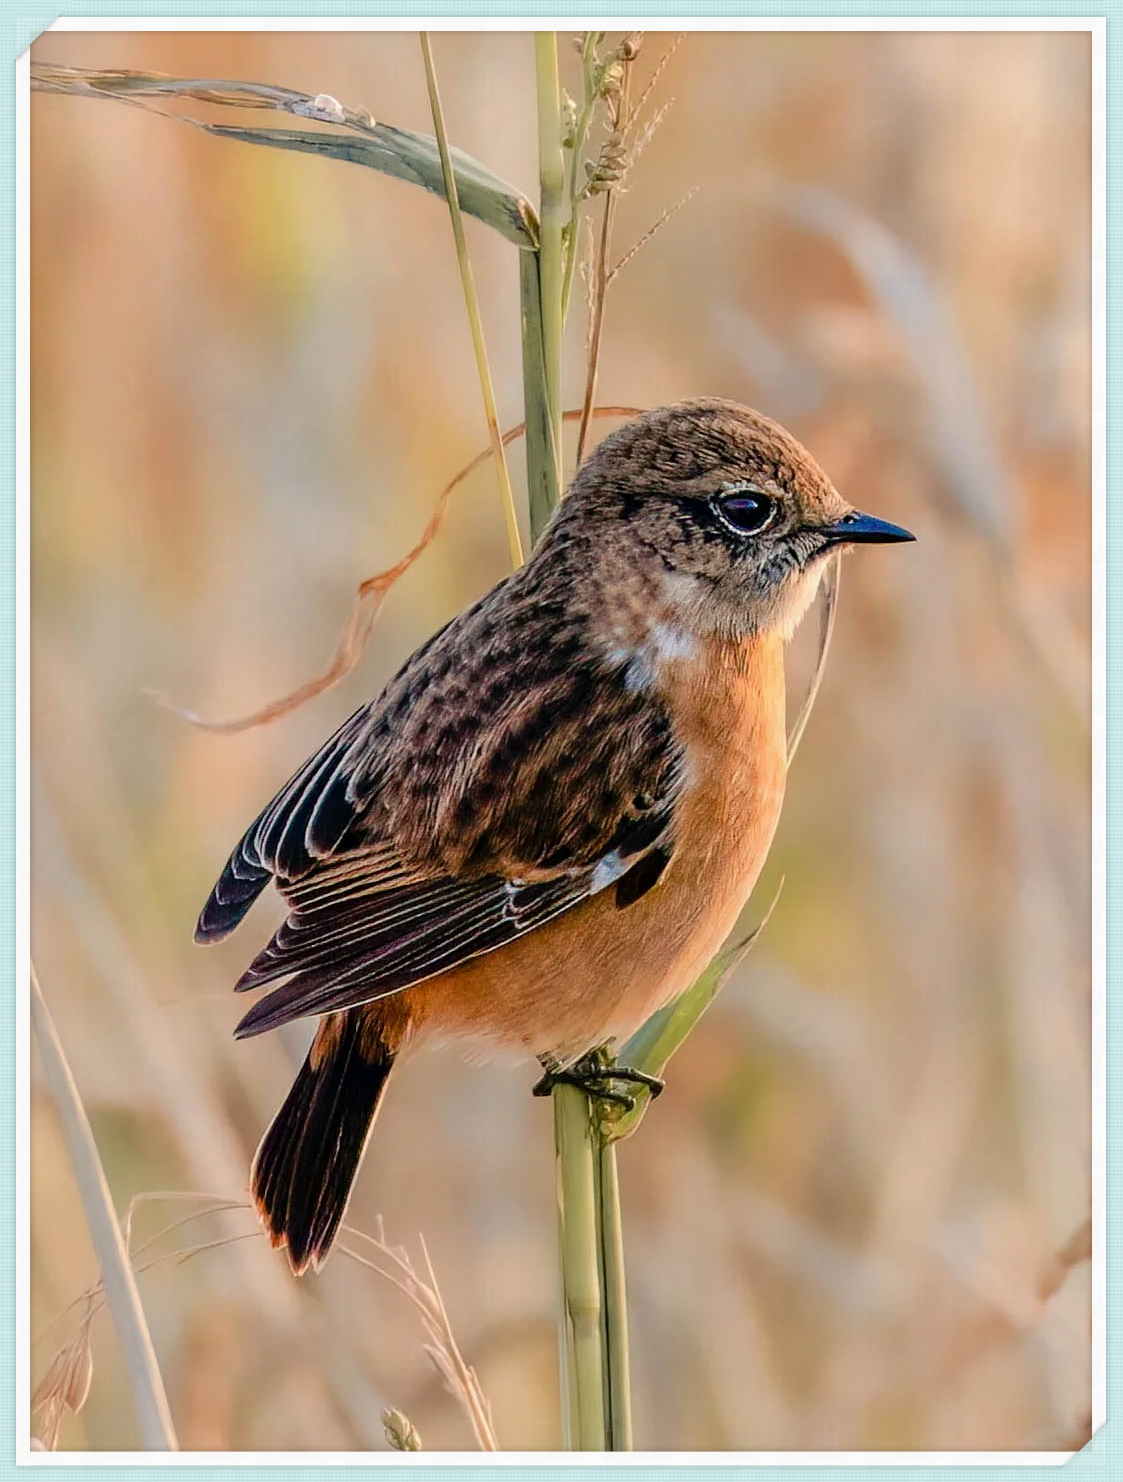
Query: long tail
[{"x": 306, "y": 1164}]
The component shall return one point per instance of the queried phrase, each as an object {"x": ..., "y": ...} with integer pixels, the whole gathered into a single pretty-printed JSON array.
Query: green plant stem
[
  {"x": 117, "y": 1275},
  {"x": 614, "y": 1299},
  {"x": 471, "y": 303},
  {"x": 593, "y": 1327},
  {"x": 554, "y": 214},
  {"x": 542, "y": 461},
  {"x": 583, "y": 1359}
]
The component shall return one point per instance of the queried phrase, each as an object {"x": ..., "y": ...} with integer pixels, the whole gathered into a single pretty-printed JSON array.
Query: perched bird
[{"x": 548, "y": 822}]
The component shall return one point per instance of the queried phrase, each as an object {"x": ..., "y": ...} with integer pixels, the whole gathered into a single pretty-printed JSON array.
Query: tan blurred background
[{"x": 251, "y": 377}]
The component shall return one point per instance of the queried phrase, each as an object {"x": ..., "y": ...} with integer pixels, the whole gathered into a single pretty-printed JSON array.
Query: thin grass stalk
[
  {"x": 117, "y": 1276},
  {"x": 583, "y": 1353},
  {"x": 596, "y": 318},
  {"x": 554, "y": 215},
  {"x": 828, "y": 608},
  {"x": 471, "y": 303}
]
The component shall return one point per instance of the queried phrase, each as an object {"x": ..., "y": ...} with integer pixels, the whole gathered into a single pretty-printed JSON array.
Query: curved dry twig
[{"x": 368, "y": 604}]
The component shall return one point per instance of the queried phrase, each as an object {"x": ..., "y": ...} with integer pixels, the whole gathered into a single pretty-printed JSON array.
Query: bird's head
[{"x": 723, "y": 508}]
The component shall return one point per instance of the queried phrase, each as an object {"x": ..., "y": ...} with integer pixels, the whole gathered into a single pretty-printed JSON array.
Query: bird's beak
[{"x": 859, "y": 529}]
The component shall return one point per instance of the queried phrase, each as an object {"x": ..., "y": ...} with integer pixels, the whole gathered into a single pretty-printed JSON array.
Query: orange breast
[{"x": 598, "y": 972}]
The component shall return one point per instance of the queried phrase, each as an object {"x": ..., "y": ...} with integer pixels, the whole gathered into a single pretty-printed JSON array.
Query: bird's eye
[{"x": 745, "y": 509}]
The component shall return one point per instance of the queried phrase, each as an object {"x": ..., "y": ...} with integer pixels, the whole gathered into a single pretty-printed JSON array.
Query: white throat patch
[{"x": 666, "y": 643}]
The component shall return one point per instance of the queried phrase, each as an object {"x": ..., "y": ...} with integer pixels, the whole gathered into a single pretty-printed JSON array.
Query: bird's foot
[{"x": 594, "y": 1074}]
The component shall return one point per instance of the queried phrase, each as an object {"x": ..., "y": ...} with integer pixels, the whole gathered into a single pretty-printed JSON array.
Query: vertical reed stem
[
  {"x": 592, "y": 1333},
  {"x": 582, "y": 1350},
  {"x": 543, "y": 464}
]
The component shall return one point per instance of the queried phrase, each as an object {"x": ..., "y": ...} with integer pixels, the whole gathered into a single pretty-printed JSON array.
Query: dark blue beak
[{"x": 859, "y": 529}]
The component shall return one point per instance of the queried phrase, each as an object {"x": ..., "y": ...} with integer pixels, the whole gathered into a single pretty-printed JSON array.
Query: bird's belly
[{"x": 598, "y": 972}]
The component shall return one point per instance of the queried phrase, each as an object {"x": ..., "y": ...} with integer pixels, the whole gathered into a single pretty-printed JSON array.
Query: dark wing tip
[
  {"x": 303, "y": 996},
  {"x": 219, "y": 918},
  {"x": 242, "y": 1030},
  {"x": 266, "y": 1014},
  {"x": 213, "y": 924},
  {"x": 238, "y": 887}
]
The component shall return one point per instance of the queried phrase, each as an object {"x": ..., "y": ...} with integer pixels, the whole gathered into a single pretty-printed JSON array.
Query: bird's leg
[
  {"x": 594, "y": 1074},
  {"x": 587, "y": 1075}
]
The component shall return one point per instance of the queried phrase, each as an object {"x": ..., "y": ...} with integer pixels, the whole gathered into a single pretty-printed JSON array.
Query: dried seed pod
[
  {"x": 569, "y": 121},
  {"x": 79, "y": 1371},
  {"x": 611, "y": 77},
  {"x": 65, "y": 1385}
]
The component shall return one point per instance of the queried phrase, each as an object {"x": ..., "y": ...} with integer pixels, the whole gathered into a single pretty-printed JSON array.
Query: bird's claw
[{"x": 594, "y": 1075}]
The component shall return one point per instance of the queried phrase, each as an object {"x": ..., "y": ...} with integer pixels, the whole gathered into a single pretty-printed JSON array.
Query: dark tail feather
[{"x": 303, "y": 1172}]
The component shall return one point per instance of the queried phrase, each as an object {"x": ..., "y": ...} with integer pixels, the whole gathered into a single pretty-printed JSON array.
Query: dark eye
[{"x": 746, "y": 510}]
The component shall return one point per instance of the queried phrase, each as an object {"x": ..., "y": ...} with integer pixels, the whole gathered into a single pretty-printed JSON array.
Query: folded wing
[{"x": 432, "y": 827}]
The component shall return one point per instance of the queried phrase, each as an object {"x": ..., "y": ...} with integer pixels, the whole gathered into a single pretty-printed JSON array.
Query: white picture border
[{"x": 1096, "y": 27}]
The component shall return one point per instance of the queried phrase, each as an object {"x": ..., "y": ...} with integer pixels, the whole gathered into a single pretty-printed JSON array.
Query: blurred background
[{"x": 252, "y": 377}]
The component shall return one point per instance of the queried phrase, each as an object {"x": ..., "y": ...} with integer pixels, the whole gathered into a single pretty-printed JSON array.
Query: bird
[{"x": 549, "y": 820}]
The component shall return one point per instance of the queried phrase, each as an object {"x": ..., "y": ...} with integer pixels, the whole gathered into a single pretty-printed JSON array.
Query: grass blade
[
  {"x": 651, "y": 1047},
  {"x": 105, "y": 1231}
]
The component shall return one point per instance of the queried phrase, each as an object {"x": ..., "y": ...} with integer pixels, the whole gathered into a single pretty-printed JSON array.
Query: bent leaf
[
  {"x": 651, "y": 1047},
  {"x": 355, "y": 135}
]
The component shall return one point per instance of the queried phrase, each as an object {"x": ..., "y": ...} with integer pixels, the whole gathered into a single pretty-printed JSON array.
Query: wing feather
[
  {"x": 483, "y": 921},
  {"x": 384, "y": 941},
  {"x": 271, "y": 844},
  {"x": 490, "y": 787}
]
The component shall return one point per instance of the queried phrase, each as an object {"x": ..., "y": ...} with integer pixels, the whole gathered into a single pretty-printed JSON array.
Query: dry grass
[{"x": 68, "y": 1376}]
